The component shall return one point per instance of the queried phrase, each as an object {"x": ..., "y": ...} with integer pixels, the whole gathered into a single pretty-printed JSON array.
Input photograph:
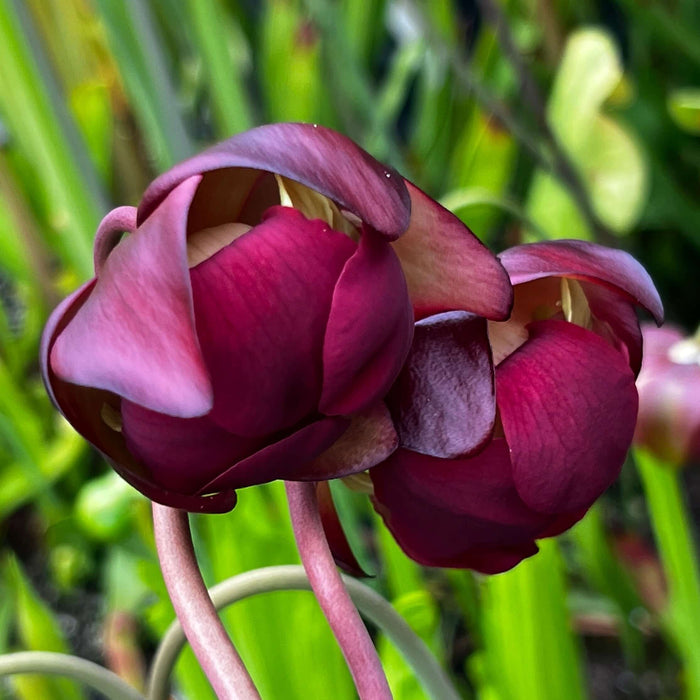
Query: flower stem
[
  {"x": 333, "y": 597},
  {"x": 373, "y": 606},
  {"x": 197, "y": 614},
  {"x": 82, "y": 670}
]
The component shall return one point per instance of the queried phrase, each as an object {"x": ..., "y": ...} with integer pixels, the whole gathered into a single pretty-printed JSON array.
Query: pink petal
[
  {"x": 447, "y": 267},
  {"x": 444, "y": 400},
  {"x": 335, "y": 535},
  {"x": 669, "y": 399},
  {"x": 568, "y": 405},
  {"x": 182, "y": 454},
  {"x": 369, "y": 330},
  {"x": 110, "y": 231},
  {"x": 83, "y": 408},
  {"x": 462, "y": 513},
  {"x": 369, "y": 440},
  {"x": 583, "y": 260},
  {"x": 317, "y": 157},
  {"x": 262, "y": 305},
  {"x": 289, "y": 458},
  {"x": 135, "y": 336}
]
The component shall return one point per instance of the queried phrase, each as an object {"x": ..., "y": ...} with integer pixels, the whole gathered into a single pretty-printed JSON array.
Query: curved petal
[
  {"x": 583, "y": 260},
  {"x": 135, "y": 335},
  {"x": 319, "y": 158},
  {"x": 447, "y": 267},
  {"x": 369, "y": 440},
  {"x": 616, "y": 319},
  {"x": 119, "y": 221},
  {"x": 182, "y": 454},
  {"x": 261, "y": 307},
  {"x": 84, "y": 407},
  {"x": 58, "y": 320},
  {"x": 568, "y": 405},
  {"x": 290, "y": 458},
  {"x": 462, "y": 513},
  {"x": 369, "y": 330},
  {"x": 443, "y": 402}
]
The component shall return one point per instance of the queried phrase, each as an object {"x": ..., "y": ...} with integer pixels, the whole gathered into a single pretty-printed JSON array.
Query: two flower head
[{"x": 283, "y": 306}]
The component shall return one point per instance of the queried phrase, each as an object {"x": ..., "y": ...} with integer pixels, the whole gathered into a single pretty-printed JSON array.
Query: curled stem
[
  {"x": 197, "y": 614},
  {"x": 337, "y": 606},
  {"x": 73, "y": 667},
  {"x": 290, "y": 577}
]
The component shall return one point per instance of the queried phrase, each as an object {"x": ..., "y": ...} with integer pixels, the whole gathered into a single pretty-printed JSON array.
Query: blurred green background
[{"x": 530, "y": 119}]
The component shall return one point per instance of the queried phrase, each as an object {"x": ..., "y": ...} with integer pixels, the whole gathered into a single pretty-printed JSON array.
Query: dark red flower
[
  {"x": 491, "y": 461},
  {"x": 255, "y": 309}
]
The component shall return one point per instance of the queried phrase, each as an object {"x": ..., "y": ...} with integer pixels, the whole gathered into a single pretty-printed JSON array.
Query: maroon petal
[
  {"x": 447, "y": 267},
  {"x": 568, "y": 405},
  {"x": 444, "y": 402},
  {"x": 333, "y": 529},
  {"x": 262, "y": 304},
  {"x": 135, "y": 336},
  {"x": 615, "y": 318},
  {"x": 182, "y": 454},
  {"x": 369, "y": 440},
  {"x": 369, "y": 330},
  {"x": 290, "y": 458},
  {"x": 583, "y": 260},
  {"x": 460, "y": 513},
  {"x": 317, "y": 157}
]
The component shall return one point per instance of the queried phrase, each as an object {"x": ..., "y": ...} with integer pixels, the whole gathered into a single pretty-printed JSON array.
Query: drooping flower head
[
  {"x": 258, "y": 308},
  {"x": 491, "y": 461},
  {"x": 669, "y": 395}
]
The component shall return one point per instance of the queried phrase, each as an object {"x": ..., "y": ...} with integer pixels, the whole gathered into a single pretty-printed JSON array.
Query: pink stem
[
  {"x": 341, "y": 613},
  {"x": 198, "y": 617}
]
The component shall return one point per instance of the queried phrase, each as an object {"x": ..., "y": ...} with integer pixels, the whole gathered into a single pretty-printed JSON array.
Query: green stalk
[
  {"x": 674, "y": 538},
  {"x": 531, "y": 652},
  {"x": 229, "y": 99}
]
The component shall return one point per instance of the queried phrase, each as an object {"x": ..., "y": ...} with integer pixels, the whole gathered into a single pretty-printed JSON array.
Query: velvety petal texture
[
  {"x": 565, "y": 364},
  {"x": 462, "y": 513},
  {"x": 586, "y": 261},
  {"x": 369, "y": 330},
  {"x": 262, "y": 306},
  {"x": 444, "y": 401},
  {"x": 319, "y": 158},
  {"x": 568, "y": 405},
  {"x": 244, "y": 318},
  {"x": 446, "y": 265},
  {"x": 135, "y": 334}
]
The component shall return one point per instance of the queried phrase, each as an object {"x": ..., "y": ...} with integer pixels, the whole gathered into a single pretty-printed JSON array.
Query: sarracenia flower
[
  {"x": 669, "y": 395},
  {"x": 491, "y": 461},
  {"x": 256, "y": 308}
]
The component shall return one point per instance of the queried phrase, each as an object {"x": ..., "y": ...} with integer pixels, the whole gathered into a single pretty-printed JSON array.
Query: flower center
[
  {"x": 314, "y": 205},
  {"x": 574, "y": 304}
]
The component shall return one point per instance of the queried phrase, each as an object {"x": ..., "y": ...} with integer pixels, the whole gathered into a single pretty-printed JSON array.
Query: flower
[
  {"x": 490, "y": 460},
  {"x": 669, "y": 395},
  {"x": 258, "y": 308}
]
